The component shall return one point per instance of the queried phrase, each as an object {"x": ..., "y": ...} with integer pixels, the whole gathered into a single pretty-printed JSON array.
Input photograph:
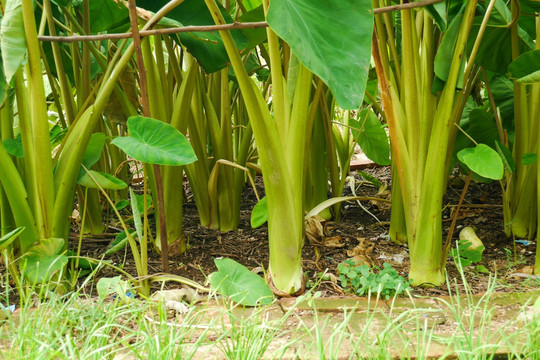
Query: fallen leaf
[
  {"x": 333, "y": 242},
  {"x": 315, "y": 230}
]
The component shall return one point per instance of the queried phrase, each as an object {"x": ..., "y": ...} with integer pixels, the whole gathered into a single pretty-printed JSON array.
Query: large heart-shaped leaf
[
  {"x": 483, "y": 160},
  {"x": 371, "y": 136},
  {"x": 155, "y": 142},
  {"x": 12, "y": 38},
  {"x": 495, "y": 50},
  {"x": 236, "y": 282},
  {"x": 332, "y": 38},
  {"x": 526, "y": 67},
  {"x": 44, "y": 260},
  {"x": 104, "y": 180}
]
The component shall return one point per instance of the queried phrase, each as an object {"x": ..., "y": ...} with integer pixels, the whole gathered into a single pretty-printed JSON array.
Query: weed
[{"x": 361, "y": 280}]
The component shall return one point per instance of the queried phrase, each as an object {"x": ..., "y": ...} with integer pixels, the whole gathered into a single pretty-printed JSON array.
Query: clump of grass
[{"x": 76, "y": 326}]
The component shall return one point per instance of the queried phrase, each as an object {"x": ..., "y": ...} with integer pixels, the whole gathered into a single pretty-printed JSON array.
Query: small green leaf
[
  {"x": 371, "y": 136},
  {"x": 140, "y": 202},
  {"x": 528, "y": 158},
  {"x": 106, "y": 181},
  {"x": 242, "y": 286},
  {"x": 10, "y": 237},
  {"x": 14, "y": 147},
  {"x": 370, "y": 178},
  {"x": 44, "y": 260},
  {"x": 155, "y": 142},
  {"x": 118, "y": 243},
  {"x": 110, "y": 286},
  {"x": 482, "y": 269},
  {"x": 483, "y": 160},
  {"x": 259, "y": 214},
  {"x": 122, "y": 204},
  {"x": 526, "y": 67}
]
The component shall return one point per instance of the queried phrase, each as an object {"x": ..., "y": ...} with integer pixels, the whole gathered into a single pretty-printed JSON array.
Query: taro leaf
[
  {"x": 443, "y": 59},
  {"x": 12, "y": 38},
  {"x": 14, "y": 147},
  {"x": 155, "y": 142},
  {"x": 140, "y": 201},
  {"x": 7, "y": 239},
  {"x": 482, "y": 126},
  {"x": 122, "y": 204},
  {"x": 206, "y": 47},
  {"x": 483, "y": 160},
  {"x": 506, "y": 156},
  {"x": 251, "y": 4},
  {"x": 107, "y": 15},
  {"x": 242, "y": 286},
  {"x": 92, "y": 153},
  {"x": 259, "y": 214},
  {"x": 438, "y": 14},
  {"x": 528, "y": 158},
  {"x": 113, "y": 286},
  {"x": 370, "y": 178},
  {"x": 466, "y": 254},
  {"x": 106, "y": 181},
  {"x": 57, "y": 133},
  {"x": 44, "y": 260},
  {"x": 332, "y": 38},
  {"x": 371, "y": 136},
  {"x": 526, "y": 67},
  {"x": 503, "y": 94},
  {"x": 254, "y": 36},
  {"x": 495, "y": 51},
  {"x": 118, "y": 243}
]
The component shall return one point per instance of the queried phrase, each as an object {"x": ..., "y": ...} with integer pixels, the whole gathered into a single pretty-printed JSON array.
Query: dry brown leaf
[
  {"x": 529, "y": 270},
  {"x": 315, "y": 230},
  {"x": 333, "y": 242},
  {"x": 364, "y": 247}
]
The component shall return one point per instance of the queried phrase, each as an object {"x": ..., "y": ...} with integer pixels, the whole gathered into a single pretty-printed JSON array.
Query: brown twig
[
  {"x": 448, "y": 241},
  {"x": 207, "y": 28}
]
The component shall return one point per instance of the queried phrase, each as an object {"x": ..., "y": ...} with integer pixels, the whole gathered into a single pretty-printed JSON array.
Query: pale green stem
[{"x": 43, "y": 183}]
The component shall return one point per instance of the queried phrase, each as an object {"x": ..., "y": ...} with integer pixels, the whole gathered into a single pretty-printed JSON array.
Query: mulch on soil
[{"x": 249, "y": 246}]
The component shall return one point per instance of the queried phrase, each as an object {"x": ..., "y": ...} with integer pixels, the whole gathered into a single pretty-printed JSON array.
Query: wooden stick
[{"x": 205, "y": 28}]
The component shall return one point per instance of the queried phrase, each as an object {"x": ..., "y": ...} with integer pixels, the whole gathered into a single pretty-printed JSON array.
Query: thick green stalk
[
  {"x": 43, "y": 183},
  {"x": 285, "y": 220},
  {"x": 426, "y": 244}
]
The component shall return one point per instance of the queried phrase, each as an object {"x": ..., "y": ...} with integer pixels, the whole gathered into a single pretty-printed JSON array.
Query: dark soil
[{"x": 250, "y": 246}]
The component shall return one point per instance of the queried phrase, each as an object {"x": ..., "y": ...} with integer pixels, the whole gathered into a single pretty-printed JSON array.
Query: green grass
[{"x": 74, "y": 326}]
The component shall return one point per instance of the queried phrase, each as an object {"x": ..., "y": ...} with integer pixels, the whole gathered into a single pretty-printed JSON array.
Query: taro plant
[
  {"x": 39, "y": 195},
  {"x": 155, "y": 142},
  {"x": 280, "y": 134},
  {"x": 425, "y": 82}
]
